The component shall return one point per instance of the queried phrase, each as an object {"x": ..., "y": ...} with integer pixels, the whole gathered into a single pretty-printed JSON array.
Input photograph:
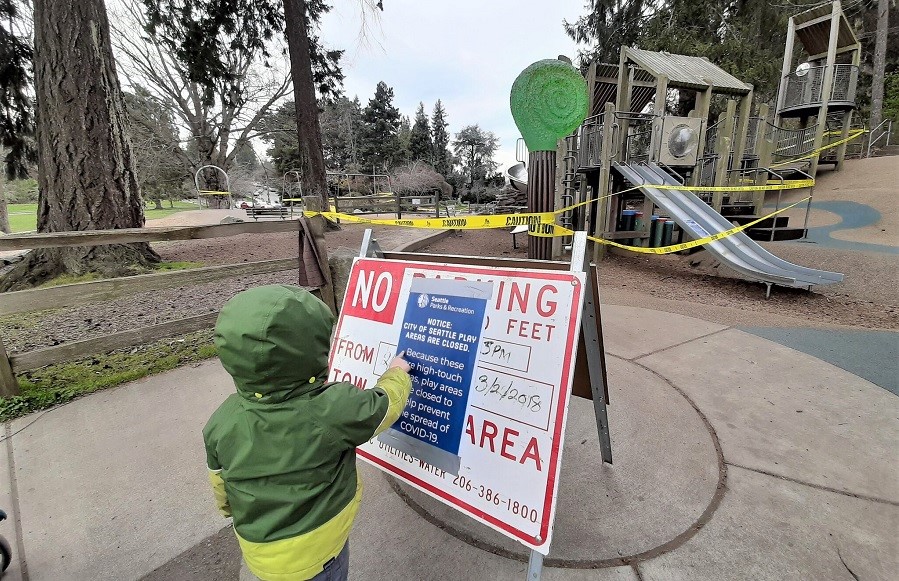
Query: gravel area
[
  {"x": 695, "y": 286},
  {"x": 54, "y": 327}
]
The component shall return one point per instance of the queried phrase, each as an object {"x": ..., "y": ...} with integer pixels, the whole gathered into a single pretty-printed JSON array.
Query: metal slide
[{"x": 738, "y": 251}]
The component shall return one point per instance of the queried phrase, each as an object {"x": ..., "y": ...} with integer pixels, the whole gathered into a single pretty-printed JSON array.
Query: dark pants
[{"x": 336, "y": 569}]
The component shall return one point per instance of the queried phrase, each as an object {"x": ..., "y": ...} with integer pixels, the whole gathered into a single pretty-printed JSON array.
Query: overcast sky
[{"x": 465, "y": 52}]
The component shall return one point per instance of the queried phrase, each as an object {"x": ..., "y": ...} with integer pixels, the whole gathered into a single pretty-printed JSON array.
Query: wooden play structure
[
  {"x": 821, "y": 85},
  {"x": 745, "y": 145},
  {"x": 660, "y": 178}
]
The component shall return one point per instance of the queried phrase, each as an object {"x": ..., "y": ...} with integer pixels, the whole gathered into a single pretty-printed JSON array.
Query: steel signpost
[{"x": 492, "y": 354}]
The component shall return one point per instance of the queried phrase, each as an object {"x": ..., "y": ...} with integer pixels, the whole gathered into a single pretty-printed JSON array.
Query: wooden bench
[{"x": 256, "y": 213}]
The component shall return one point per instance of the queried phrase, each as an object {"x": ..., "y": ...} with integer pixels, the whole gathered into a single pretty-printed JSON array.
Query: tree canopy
[
  {"x": 208, "y": 35},
  {"x": 380, "y": 144},
  {"x": 744, "y": 37},
  {"x": 16, "y": 109},
  {"x": 421, "y": 146},
  {"x": 475, "y": 148},
  {"x": 440, "y": 139}
]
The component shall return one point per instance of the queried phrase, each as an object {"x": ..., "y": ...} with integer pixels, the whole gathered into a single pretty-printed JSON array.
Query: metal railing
[
  {"x": 589, "y": 146},
  {"x": 790, "y": 142},
  {"x": 805, "y": 89},
  {"x": 885, "y": 129}
]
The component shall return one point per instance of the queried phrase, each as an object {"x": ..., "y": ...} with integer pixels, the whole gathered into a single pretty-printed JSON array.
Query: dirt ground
[{"x": 692, "y": 285}]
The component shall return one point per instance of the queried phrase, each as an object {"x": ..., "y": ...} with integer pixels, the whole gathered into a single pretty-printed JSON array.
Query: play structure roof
[
  {"x": 605, "y": 88},
  {"x": 689, "y": 72},
  {"x": 813, "y": 30}
]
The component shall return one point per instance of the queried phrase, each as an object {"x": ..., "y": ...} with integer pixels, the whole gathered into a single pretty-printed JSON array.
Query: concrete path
[
  {"x": 735, "y": 458},
  {"x": 873, "y": 355}
]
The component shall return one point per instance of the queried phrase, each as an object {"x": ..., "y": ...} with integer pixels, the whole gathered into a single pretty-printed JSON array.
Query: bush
[{"x": 20, "y": 191}]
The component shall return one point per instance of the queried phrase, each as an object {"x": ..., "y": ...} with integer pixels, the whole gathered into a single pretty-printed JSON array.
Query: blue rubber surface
[
  {"x": 852, "y": 215},
  {"x": 872, "y": 355}
]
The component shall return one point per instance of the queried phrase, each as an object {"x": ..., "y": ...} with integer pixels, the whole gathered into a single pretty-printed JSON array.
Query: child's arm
[
  {"x": 215, "y": 479},
  {"x": 359, "y": 415},
  {"x": 218, "y": 491}
]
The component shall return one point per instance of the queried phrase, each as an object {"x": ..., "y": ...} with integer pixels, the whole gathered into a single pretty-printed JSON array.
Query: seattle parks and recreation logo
[{"x": 423, "y": 300}]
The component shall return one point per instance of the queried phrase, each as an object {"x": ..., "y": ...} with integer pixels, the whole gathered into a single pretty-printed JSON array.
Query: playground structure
[
  {"x": 660, "y": 179},
  {"x": 209, "y": 195},
  {"x": 291, "y": 188}
]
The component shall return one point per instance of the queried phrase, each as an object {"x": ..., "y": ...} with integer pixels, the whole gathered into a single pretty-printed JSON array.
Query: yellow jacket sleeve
[
  {"x": 397, "y": 384},
  {"x": 218, "y": 491}
]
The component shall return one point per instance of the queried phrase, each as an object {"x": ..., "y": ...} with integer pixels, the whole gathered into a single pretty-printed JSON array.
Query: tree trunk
[
  {"x": 314, "y": 179},
  {"x": 4, "y": 212},
  {"x": 880, "y": 57},
  {"x": 86, "y": 174}
]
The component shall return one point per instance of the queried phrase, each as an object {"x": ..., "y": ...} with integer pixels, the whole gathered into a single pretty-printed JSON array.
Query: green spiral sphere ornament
[{"x": 549, "y": 101}]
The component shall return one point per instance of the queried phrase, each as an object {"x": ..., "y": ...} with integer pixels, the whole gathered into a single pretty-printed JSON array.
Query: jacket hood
[{"x": 274, "y": 341}]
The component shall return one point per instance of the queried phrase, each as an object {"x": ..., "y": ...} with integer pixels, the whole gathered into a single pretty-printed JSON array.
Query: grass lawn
[
  {"x": 57, "y": 384},
  {"x": 180, "y": 206},
  {"x": 23, "y": 217}
]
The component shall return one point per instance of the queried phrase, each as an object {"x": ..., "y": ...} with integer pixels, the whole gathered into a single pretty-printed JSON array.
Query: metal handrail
[{"x": 888, "y": 132}]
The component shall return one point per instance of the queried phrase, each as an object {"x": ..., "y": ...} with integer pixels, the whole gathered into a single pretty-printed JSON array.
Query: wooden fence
[
  {"x": 383, "y": 204},
  {"x": 71, "y": 295}
]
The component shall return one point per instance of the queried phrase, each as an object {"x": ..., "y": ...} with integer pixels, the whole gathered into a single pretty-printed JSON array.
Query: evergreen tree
[
  {"x": 440, "y": 138},
  {"x": 404, "y": 136},
  {"x": 475, "y": 149},
  {"x": 341, "y": 123},
  {"x": 607, "y": 26},
  {"x": 16, "y": 115},
  {"x": 157, "y": 153},
  {"x": 421, "y": 147},
  {"x": 379, "y": 143}
]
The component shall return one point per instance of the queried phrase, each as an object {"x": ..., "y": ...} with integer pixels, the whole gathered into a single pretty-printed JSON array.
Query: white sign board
[{"x": 492, "y": 353}]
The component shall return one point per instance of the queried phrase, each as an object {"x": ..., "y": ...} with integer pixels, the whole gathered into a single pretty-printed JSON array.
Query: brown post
[
  {"x": 763, "y": 150},
  {"x": 8, "y": 384},
  {"x": 724, "y": 145},
  {"x": 607, "y": 154},
  {"x": 317, "y": 228},
  {"x": 541, "y": 198}
]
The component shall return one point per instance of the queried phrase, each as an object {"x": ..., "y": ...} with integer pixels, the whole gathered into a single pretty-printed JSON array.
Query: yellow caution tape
[
  {"x": 786, "y": 185},
  {"x": 562, "y": 231},
  {"x": 821, "y": 149},
  {"x": 463, "y": 223},
  {"x": 543, "y": 223},
  {"x": 213, "y": 193}
]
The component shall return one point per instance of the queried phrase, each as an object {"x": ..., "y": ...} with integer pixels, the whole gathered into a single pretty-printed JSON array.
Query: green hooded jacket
[{"x": 281, "y": 451}]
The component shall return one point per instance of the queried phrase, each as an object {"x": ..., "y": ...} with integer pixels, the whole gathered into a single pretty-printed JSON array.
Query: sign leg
[
  {"x": 593, "y": 346},
  {"x": 370, "y": 247},
  {"x": 535, "y": 566}
]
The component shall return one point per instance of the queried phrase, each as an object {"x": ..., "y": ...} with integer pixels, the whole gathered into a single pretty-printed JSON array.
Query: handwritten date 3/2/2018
[{"x": 505, "y": 389}]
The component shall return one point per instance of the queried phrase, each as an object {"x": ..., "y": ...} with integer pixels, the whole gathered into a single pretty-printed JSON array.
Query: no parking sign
[{"x": 492, "y": 355}]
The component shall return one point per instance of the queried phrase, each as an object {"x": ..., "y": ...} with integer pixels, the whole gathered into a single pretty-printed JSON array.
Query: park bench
[{"x": 256, "y": 213}]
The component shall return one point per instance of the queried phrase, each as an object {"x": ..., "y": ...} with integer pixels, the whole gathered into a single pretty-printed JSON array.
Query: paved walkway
[{"x": 735, "y": 458}]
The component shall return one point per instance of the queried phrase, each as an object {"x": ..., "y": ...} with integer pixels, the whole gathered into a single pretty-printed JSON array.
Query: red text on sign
[
  {"x": 520, "y": 297},
  {"x": 486, "y": 435}
]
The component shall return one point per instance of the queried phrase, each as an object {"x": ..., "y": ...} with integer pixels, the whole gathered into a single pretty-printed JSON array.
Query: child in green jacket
[{"x": 281, "y": 451}]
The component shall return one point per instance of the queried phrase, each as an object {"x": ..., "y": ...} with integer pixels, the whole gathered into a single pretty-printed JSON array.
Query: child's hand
[{"x": 401, "y": 363}]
